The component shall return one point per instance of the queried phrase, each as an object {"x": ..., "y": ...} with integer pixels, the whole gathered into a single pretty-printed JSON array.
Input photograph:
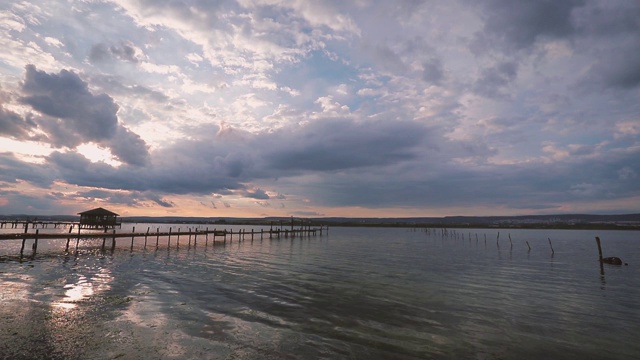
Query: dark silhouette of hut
[{"x": 98, "y": 218}]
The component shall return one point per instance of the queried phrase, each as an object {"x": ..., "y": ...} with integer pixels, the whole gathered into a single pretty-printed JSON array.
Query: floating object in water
[{"x": 613, "y": 260}]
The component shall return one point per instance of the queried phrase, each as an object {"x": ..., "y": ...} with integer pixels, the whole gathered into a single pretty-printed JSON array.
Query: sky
[{"x": 354, "y": 108}]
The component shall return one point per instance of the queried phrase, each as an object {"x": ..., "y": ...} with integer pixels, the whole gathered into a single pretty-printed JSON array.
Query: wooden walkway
[
  {"x": 190, "y": 235},
  {"x": 20, "y": 224}
]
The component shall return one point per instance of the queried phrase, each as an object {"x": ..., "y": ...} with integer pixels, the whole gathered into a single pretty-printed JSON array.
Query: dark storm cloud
[
  {"x": 14, "y": 126},
  {"x": 519, "y": 24},
  {"x": 74, "y": 115},
  {"x": 433, "y": 71},
  {"x": 334, "y": 144},
  {"x": 20, "y": 203},
  {"x": 78, "y": 170},
  {"x": 613, "y": 176},
  {"x": 610, "y": 35},
  {"x": 12, "y": 170},
  {"x": 180, "y": 177},
  {"x": 598, "y": 19},
  {"x": 225, "y": 162},
  {"x": 103, "y": 52},
  {"x": 67, "y": 97},
  {"x": 616, "y": 29},
  {"x": 617, "y": 70},
  {"x": 129, "y": 147},
  {"x": 493, "y": 80}
]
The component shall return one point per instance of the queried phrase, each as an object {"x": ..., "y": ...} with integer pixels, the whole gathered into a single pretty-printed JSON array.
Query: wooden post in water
[
  {"x": 169, "y": 239},
  {"x": 35, "y": 243},
  {"x": 24, "y": 239},
  {"x": 528, "y": 245},
  {"x": 66, "y": 249},
  {"x": 113, "y": 240},
  {"x": 510, "y": 242},
  {"x": 599, "y": 249},
  {"x": 157, "y": 236},
  {"x": 178, "y": 240},
  {"x": 498, "y": 240},
  {"x": 552, "y": 252}
]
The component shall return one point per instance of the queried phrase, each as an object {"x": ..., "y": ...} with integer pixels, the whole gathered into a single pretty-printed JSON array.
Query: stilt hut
[{"x": 98, "y": 218}]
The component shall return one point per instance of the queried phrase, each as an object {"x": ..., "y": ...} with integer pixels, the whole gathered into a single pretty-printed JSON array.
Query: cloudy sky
[{"x": 320, "y": 108}]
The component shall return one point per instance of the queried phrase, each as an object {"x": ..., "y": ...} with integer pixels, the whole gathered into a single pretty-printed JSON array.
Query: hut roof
[{"x": 98, "y": 211}]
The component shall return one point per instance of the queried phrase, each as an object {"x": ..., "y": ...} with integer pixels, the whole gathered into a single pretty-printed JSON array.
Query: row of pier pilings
[
  {"x": 446, "y": 233},
  {"x": 19, "y": 224},
  {"x": 190, "y": 235},
  {"x": 456, "y": 234}
]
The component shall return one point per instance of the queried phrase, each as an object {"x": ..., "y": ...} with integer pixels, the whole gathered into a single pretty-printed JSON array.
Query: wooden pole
[
  {"x": 35, "y": 243},
  {"x": 599, "y": 248},
  {"x": 24, "y": 239},
  {"x": 132, "y": 236},
  {"x": 528, "y": 245},
  {"x": 552, "y": 252}
]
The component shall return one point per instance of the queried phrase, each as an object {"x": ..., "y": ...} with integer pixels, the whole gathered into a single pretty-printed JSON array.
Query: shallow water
[{"x": 356, "y": 293}]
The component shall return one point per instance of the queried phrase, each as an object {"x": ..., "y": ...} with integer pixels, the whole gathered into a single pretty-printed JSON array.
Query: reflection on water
[
  {"x": 357, "y": 293},
  {"x": 84, "y": 287}
]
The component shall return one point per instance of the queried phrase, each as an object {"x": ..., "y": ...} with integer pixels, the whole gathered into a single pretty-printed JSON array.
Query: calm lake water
[{"x": 356, "y": 293}]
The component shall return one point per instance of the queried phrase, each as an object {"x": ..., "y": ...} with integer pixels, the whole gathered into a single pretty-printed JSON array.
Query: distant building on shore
[{"x": 98, "y": 218}]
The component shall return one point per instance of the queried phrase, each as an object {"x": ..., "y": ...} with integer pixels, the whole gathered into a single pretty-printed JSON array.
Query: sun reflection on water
[{"x": 84, "y": 288}]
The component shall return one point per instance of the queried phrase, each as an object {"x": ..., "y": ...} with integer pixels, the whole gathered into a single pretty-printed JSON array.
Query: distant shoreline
[{"x": 572, "y": 222}]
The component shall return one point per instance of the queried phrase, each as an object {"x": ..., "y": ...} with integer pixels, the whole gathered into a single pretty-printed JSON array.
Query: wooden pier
[
  {"x": 21, "y": 224},
  {"x": 190, "y": 235}
]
